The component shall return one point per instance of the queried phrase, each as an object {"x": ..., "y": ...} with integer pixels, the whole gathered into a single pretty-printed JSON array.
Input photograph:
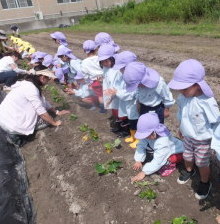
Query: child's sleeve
[
  {"x": 161, "y": 154},
  {"x": 215, "y": 142},
  {"x": 164, "y": 91},
  {"x": 140, "y": 153},
  {"x": 210, "y": 107}
]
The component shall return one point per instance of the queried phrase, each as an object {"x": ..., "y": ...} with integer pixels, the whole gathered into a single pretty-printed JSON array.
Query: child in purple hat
[
  {"x": 153, "y": 92},
  {"x": 198, "y": 114},
  {"x": 106, "y": 60},
  {"x": 155, "y": 138},
  {"x": 127, "y": 100},
  {"x": 91, "y": 69},
  {"x": 83, "y": 91}
]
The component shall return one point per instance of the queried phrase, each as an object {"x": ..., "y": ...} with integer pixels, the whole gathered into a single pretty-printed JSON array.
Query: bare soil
[{"x": 60, "y": 166}]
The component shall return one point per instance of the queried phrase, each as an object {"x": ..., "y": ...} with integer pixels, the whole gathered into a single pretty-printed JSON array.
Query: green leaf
[
  {"x": 84, "y": 128},
  {"x": 108, "y": 145},
  {"x": 73, "y": 117},
  {"x": 116, "y": 143},
  {"x": 157, "y": 222},
  {"x": 100, "y": 168},
  {"x": 148, "y": 194}
]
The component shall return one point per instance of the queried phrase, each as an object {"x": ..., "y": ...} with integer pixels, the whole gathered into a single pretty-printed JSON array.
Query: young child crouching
[{"x": 155, "y": 137}]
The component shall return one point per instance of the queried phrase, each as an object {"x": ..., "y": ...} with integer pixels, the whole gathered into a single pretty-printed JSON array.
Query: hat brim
[
  {"x": 119, "y": 66},
  {"x": 173, "y": 84},
  {"x": 71, "y": 56},
  {"x": 3, "y": 37},
  {"x": 131, "y": 87},
  {"x": 141, "y": 135},
  {"x": 46, "y": 73},
  {"x": 103, "y": 57},
  {"x": 53, "y": 36}
]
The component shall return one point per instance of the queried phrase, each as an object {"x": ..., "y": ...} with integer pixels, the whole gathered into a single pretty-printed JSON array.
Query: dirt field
[{"x": 63, "y": 182}]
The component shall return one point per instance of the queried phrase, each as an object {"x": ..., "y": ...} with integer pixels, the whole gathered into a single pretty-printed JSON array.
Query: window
[
  {"x": 68, "y": 1},
  {"x": 11, "y": 4}
]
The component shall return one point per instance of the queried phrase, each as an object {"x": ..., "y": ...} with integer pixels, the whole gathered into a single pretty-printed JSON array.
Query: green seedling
[
  {"x": 157, "y": 222},
  {"x": 109, "y": 167},
  {"x": 93, "y": 134},
  {"x": 84, "y": 128},
  {"x": 183, "y": 220},
  {"x": 149, "y": 194},
  {"x": 110, "y": 146},
  {"x": 73, "y": 117},
  {"x": 146, "y": 183}
]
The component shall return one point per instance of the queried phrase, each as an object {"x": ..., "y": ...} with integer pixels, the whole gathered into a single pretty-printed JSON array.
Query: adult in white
[
  {"x": 25, "y": 110},
  {"x": 9, "y": 70}
]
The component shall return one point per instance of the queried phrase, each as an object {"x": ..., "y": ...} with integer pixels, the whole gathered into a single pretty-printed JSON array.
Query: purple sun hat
[
  {"x": 124, "y": 58},
  {"x": 60, "y": 37},
  {"x": 133, "y": 74},
  {"x": 79, "y": 75},
  {"x": 66, "y": 52},
  {"x": 48, "y": 60},
  {"x": 187, "y": 74},
  {"x": 151, "y": 78},
  {"x": 149, "y": 123},
  {"x": 89, "y": 45},
  {"x": 105, "y": 51},
  {"x": 105, "y": 38}
]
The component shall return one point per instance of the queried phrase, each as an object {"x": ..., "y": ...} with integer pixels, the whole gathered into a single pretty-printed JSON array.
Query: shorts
[
  {"x": 198, "y": 151},
  {"x": 97, "y": 88}
]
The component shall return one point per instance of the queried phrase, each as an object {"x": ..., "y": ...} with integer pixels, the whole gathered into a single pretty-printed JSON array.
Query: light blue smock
[
  {"x": 154, "y": 96},
  {"x": 111, "y": 79},
  {"x": 74, "y": 67},
  {"x": 197, "y": 116},
  {"x": 83, "y": 91}
]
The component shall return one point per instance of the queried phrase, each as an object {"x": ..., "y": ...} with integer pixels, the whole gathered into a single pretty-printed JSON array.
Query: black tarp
[{"x": 15, "y": 204}]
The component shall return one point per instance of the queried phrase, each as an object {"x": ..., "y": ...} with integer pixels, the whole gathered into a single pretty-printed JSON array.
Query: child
[
  {"x": 105, "y": 38},
  {"x": 197, "y": 115},
  {"x": 127, "y": 100},
  {"x": 153, "y": 93},
  {"x": 83, "y": 91},
  {"x": 91, "y": 69},
  {"x": 155, "y": 137},
  {"x": 110, "y": 76}
]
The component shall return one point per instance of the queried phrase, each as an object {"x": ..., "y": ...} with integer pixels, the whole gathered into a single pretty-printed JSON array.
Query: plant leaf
[
  {"x": 116, "y": 143},
  {"x": 100, "y": 169}
]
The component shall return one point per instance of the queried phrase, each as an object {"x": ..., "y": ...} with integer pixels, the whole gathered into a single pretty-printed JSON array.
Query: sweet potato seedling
[
  {"x": 109, "y": 167},
  {"x": 149, "y": 194},
  {"x": 183, "y": 220},
  {"x": 73, "y": 117},
  {"x": 84, "y": 128},
  {"x": 110, "y": 146}
]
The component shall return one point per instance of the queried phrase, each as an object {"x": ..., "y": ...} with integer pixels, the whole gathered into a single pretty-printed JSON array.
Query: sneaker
[
  {"x": 203, "y": 190},
  {"x": 92, "y": 108},
  {"x": 15, "y": 140},
  {"x": 185, "y": 176},
  {"x": 6, "y": 88}
]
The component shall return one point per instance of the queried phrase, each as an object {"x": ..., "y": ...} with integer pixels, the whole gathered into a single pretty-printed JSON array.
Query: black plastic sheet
[{"x": 15, "y": 204}]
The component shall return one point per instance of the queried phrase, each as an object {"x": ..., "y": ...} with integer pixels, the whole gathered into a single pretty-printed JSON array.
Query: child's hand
[
  {"x": 218, "y": 219},
  {"x": 69, "y": 91},
  {"x": 166, "y": 112},
  {"x": 63, "y": 112},
  {"x": 138, "y": 177},
  {"x": 137, "y": 166}
]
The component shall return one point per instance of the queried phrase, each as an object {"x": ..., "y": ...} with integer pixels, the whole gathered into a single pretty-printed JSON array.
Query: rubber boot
[
  {"x": 133, "y": 145},
  {"x": 131, "y": 138}
]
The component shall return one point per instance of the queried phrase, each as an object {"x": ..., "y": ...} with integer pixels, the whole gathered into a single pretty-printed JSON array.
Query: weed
[
  {"x": 149, "y": 194},
  {"x": 109, "y": 167},
  {"x": 73, "y": 117},
  {"x": 110, "y": 146}
]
